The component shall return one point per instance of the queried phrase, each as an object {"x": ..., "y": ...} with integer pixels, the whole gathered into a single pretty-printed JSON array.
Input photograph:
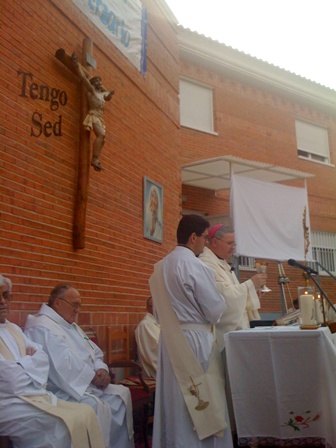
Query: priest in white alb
[
  {"x": 29, "y": 415},
  {"x": 190, "y": 403},
  {"x": 147, "y": 334},
  {"x": 241, "y": 298},
  {"x": 77, "y": 370}
]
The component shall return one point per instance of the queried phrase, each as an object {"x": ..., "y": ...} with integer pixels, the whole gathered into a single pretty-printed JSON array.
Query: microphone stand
[
  {"x": 332, "y": 325},
  {"x": 282, "y": 281}
]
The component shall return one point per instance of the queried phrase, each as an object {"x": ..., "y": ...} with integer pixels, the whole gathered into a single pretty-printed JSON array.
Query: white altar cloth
[{"x": 283, "y": 384}]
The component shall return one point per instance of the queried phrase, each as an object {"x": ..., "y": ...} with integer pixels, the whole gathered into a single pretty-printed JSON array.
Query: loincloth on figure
[{"x": 94, "y": 117}]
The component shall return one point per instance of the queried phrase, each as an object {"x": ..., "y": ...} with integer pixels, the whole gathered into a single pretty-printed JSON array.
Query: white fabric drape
[
  {"x": 289, "y": 390},
  {"x": 269, "y": 219}
]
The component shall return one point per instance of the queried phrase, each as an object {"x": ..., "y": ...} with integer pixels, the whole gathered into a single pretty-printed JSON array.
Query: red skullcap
[{"x": 213, "y": 230}]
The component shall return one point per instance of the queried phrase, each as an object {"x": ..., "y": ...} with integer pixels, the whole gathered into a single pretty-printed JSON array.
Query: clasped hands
[
  {"x": 101, "y": 379},
  {"x": 30, "y": 351}
]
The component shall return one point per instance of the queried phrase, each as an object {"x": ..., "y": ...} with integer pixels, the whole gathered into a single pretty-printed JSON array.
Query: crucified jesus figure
[{"x": 94, "y": 121}]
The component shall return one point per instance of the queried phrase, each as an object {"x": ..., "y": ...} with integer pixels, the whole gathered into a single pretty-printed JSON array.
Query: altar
[{"x": 283, "y": 385}]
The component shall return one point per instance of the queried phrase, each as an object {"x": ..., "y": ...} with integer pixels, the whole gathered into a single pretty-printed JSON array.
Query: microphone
[{"x": 296, "y": 264}]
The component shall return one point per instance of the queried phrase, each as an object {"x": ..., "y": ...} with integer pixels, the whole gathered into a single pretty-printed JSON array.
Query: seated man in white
[
  {"x": 29, "y": 415},
  {"x": 147, "y": 335},
  {"x": 77, "y": 371},
  {"x": 241, "y": 298}
]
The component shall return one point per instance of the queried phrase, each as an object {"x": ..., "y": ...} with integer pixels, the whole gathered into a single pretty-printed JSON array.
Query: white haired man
[
  {"x": 29, "y": 415},
  {"x": 77, "y": 370},
  {"x": 241, "y": 298}
]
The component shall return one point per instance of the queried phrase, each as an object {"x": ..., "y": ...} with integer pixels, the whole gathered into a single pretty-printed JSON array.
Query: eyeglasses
[
  {"x": 6, "y": 295},
  {"x": 75, "y": 306}
]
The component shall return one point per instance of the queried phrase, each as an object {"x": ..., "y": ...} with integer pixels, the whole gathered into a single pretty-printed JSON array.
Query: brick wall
[
  {"x": 257, "y": 122},
  {"x": 38, "y": 173}
]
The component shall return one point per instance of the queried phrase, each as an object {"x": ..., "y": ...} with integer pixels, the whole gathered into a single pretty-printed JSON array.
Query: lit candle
[{"x": 307, "y": 309}]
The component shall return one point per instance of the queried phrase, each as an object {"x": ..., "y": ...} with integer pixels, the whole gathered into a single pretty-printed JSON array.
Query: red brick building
[
  {"x": 39, "y": 172},
  {"x": 259, "y": 113},
  {"x": 255, "y": 110}
]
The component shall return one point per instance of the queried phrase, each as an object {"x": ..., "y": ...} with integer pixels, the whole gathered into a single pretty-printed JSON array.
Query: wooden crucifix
[{"x": 93, "y": 97}]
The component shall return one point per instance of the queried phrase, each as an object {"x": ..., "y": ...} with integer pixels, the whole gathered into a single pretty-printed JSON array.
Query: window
[
  {"x": 312, "y": 142},
  {"x": 196, "y": 106},
  {"x": 324, "y": 251},
  {"x": 247, "y": 263}
]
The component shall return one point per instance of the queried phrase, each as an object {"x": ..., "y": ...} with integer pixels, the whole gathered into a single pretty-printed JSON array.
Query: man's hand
[
  {"x": 101, "y": 379},
  {"x": 109, "y": 95},
  {"x": 30, "y": 351},
  {"x": 259, "y": 280}
]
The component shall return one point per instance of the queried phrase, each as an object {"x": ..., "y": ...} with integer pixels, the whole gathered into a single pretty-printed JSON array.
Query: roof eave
[{"x": 198, "y": 48}]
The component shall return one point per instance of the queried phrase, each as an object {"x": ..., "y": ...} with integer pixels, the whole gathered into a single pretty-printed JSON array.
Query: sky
[{"x": 296, "y": 35}]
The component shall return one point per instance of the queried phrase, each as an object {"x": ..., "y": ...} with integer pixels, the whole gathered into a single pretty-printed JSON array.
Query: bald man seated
[{"x": 77, "y": 370}]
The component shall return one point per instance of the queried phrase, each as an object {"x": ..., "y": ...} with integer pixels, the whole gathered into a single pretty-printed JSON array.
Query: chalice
[{"x": 261, "y": 268}]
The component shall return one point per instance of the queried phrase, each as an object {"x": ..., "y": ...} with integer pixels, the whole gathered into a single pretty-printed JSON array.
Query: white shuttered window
[
  {"x": 196, "y": 106},
  {"x": 312, "y": 142}
]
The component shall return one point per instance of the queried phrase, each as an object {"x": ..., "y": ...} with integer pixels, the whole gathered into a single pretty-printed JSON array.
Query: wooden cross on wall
[{"x": 78, "y": 232}]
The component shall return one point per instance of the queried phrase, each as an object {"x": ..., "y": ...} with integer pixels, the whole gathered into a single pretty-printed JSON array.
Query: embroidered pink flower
[
  {"x": 299, "y": 419},
  {"x": 300, "y": 422}
]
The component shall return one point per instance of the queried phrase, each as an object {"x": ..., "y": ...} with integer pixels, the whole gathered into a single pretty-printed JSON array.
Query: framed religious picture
[{"x": 153, "y": 210}]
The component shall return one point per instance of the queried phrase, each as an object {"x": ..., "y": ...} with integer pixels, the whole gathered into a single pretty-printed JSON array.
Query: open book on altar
[{"x": 289, "y": 318}]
